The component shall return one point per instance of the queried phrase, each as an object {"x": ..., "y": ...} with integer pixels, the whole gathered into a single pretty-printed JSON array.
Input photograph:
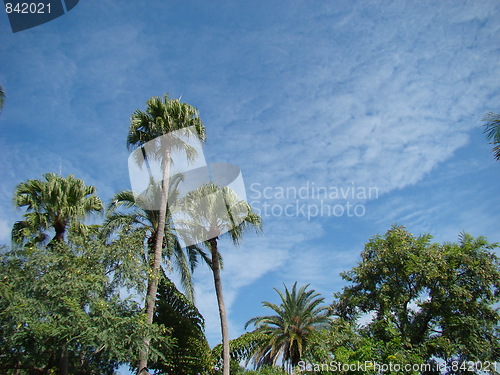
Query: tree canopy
[
  {"x": 65, "y": 298},
  {"x": 434, "y": 300}
]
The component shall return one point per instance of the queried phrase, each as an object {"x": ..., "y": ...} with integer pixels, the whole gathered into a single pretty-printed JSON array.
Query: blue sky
[{"x": 387, "y": 95}]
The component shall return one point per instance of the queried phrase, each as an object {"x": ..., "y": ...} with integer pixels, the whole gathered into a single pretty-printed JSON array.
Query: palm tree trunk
[
  {"x": 222, "y": 308},
  {"x": 60, "y": 229},
  {"x": 155, "y": 274},
  {"x": 64, "y": 360}
]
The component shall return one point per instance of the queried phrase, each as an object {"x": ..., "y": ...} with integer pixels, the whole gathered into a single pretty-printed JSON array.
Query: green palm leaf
[{"x": 492, "y": 131}]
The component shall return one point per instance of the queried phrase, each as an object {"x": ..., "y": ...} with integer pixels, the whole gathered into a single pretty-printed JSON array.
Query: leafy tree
[
  {"x": 212, "y": 211},
  {"x": 286, "y": 333},
  {"x": 162, "y": 117},
  {"x": 436, "y": 301},
  {"x": 345, "y": 348},
  {"x": 492, "y": 130},
  {"x": 60, "y": 309},
  {"x": 55, "y": 203}
]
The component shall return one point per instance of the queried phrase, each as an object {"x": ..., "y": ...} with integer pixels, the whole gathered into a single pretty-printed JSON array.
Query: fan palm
[
  {"x": 297, "y": 316},
  {"x": 209, "y": 212},
  {"x": 162, "y": 117},
  {"x": 124, "y": 211},
  {"x": 492, "y": 130},
  {"x": 55, "y": 203}
]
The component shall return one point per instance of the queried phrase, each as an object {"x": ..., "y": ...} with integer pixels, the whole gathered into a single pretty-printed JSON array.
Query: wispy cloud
[{"x": 383, "y": 107}]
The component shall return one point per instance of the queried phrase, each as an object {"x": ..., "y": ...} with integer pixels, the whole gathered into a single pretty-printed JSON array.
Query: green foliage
[
  {"x": 343, "y": 348},
  {"x": 124, "y": 211},
  {"x": 432, "y": 301},
  {"x": 162, "y": 116},
  {"x": 286, "y": 334},
  {"x": 241, "y": 348},
  {"x": 266, "y": 370},
  {"x": 191, "y": 352},
  {"x": 63, "y": 300},
  {"x": 492, "y": 131}
]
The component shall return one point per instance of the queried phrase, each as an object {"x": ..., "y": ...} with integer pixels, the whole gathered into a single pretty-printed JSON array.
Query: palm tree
[
  {"x": 297, "y": 316},
  {"x": 492, "y": 130},
  {"x": 162, "y": 118},
  {"x": 209, "y": 212},
  {"x": 124, "y": 211},
  {"x": 55, "y": 203}
]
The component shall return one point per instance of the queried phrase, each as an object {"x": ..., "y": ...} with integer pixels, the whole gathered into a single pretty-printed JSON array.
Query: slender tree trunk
[
  {"x": 60, "y": 229},
  {"x": 155, "y": 274},
  {"x": 64, "y": 360},
  {"x": 222, "y": 308}
]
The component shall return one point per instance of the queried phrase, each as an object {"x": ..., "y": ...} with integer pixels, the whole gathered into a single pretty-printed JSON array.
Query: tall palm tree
[
  {"x": 492, "y": 130},
  {"x": 162, "y": 118},
  {"x": 299, "y": 313},
  {"x": 55, "y": 203},
  {"x": 209, "y": 212}
]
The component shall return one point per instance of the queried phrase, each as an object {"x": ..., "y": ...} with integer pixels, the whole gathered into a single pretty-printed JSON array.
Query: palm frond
[
  {"x": 297, "y": 316},
  {"x": 492, "y": 131},
  {"x": 175, "y": 300}
]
